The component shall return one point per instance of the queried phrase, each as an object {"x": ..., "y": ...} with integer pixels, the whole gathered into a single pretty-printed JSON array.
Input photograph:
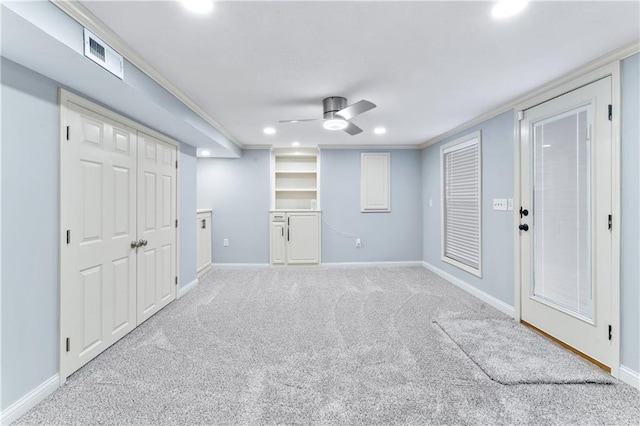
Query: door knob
[
  {"x": 524, "y": 227},
  {"x": 134, "y": 244},
  {"x": 143, "y": 242},
  {"x": 523, "y": 212}
]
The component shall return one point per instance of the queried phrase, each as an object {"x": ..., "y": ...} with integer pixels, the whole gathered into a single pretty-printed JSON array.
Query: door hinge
[
  {"x": 610, "y": 222},
  {"x": 610, "y": 112},
  {"x": 176, "y": 223},
  {"x": 68, "y": 132},
  {"x": 176, "y": 280},
  {"x": 520, "y": 115},
  {"x": 68, "y": 236},
  {"x": 610, "y": 332},
  {"x": 68, "y": 344},
  {"x": 176, "y": 164}
]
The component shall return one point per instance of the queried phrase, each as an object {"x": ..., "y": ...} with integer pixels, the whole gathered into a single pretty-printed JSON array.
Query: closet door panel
[
  {"x": 157, "y": 224},
  {"x": 98, "y": 208}
]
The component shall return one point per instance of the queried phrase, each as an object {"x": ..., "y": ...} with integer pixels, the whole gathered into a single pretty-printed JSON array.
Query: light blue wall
[
  {"x": 29, "y": 231},
  {"x": 237, "y": 190},
  {"x": 30, "y": 192},
  {"x": 393, "y": 236},
  {"x": 630, "y": 259},
  {"x": 497, "y": 226},
  {"x": 188, "y": 205}
]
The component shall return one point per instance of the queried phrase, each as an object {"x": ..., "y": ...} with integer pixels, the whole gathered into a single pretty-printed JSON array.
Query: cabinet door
[
  {"x": 278, "y": 231},
  {"x": 375, "y": 182},
  {"x": 206, "y": 240},
  {"x": 199, "y": 243},
  {"x": 303, "y": 238}
]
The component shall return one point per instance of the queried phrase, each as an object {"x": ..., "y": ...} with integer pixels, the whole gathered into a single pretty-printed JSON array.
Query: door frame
[
  {"x": 610, "y": 70},
  {"x": 65, "y": 96}
]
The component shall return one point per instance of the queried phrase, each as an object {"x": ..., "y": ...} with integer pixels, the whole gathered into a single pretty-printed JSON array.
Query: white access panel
[
  {"x": 375, "y": 182},
  {"x": 157, "y": 213},
  {"x": 98, "y": 216},
  {"x": 303, "y": 238}
]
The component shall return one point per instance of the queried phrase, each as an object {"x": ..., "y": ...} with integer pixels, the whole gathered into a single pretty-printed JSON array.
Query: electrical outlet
[
  {"x": 500, "y": 204},
  {"x": 225, "y": 242},
  {"x": 358, "y": 243}
]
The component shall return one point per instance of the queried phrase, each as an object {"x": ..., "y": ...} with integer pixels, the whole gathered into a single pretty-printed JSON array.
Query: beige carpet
[{"x": 316, "y": 346}]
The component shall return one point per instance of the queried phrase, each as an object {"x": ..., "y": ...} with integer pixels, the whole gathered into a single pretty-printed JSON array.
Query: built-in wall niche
[{"x": 295, "y": 180}]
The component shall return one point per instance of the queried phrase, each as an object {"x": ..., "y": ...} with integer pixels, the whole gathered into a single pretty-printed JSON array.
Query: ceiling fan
[{"x": 337, "y": 115}]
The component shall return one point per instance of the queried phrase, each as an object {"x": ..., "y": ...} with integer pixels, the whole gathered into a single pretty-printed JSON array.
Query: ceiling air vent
[{"x": 103, "y": 55}]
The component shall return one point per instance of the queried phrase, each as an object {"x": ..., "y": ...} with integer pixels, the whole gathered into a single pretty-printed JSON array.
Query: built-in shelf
[{"x": 295, "y": 179}]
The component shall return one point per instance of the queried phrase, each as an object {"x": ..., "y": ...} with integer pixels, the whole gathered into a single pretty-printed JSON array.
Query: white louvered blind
[{"x": 461, "y": 224}]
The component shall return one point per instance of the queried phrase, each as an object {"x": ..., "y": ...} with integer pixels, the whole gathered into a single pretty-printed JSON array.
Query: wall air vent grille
[
  {"x": 96, "y": 49},
  {"x": 103, "y": 55}
]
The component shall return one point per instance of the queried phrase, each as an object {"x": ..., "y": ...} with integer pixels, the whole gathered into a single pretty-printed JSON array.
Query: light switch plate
[
  {"x": 510, "y": 204},
  {"x": 225, "y": 242},
  {"x": 500, "y": 204}
]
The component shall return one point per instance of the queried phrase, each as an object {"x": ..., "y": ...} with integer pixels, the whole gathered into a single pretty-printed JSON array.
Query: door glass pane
[{"x": 561, "y": 216}]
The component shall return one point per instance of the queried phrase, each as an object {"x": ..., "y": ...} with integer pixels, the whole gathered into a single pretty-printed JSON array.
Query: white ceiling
[{"x": 429, "y": 66}]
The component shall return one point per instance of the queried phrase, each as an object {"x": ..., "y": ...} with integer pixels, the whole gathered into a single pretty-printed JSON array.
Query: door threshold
[{"x": 564, "y": 345}]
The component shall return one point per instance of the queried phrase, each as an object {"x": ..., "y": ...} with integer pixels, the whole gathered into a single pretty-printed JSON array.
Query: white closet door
[
  {"x": 157, "y": 214},
  {"x": 98, "y": 274}
]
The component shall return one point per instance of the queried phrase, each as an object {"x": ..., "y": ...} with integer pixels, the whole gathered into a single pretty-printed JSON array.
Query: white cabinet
[
  {"x": 203, "y": 237},
  {"x": 375, "y": 182},
  {"x": 295, "y": 238},
  {"x": 278, "y": 241},
  {"x": 295, "y": 180}
]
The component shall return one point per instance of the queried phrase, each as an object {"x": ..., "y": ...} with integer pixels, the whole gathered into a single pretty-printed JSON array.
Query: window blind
[{"x": 461, "y": 191}]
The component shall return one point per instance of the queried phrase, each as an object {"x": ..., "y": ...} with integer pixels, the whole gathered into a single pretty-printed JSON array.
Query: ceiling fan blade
[
  {"x": 352, "y": 129},
  {"x": 303, "y": 119},
  {"x": 358, "y": 108}
]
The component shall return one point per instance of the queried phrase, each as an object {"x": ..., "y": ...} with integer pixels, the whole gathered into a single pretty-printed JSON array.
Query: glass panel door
[{"x": 561, "y": 212}]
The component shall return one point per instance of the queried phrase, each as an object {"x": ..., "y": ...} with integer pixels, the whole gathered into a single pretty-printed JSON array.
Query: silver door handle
[{"x": 139, "y": 243}]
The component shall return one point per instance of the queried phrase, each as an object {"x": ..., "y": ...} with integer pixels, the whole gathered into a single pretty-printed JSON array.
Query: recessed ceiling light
[
  {"x": 506, "y": 8},
  {"x": 198, "y": 6},
  {"x": 335, "y": 124},
  {"x": 205, "y": 153},
  {"x": 269, "y": 130},
  {"x": 546, "y": 146},
  {"x": 379, "y": 130},
  {"x": 296, "y": 143}
]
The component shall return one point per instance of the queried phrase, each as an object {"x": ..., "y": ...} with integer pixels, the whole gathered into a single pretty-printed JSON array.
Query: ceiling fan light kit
[{"x": 335, "y": 123}]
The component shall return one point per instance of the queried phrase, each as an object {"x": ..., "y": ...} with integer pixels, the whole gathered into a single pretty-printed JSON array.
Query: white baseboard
[
  {"x": 187, "y": 288},
  {"x": 204, "y": 270},
  {"x": 474, "y": 291},
  {"x": 630, "y": 377},
  {"x": 239, "y": 265},
  {"x": 370, "y": 264},
  {"x": 30, "y": 400}
]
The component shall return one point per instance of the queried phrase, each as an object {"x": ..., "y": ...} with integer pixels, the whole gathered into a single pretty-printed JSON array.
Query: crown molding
[
  {"x": 616, "y": 55},
  {"x": 84, "y": 17},
  {"x": 258, "y": 146},
  {"x": 386, "y": 147}
]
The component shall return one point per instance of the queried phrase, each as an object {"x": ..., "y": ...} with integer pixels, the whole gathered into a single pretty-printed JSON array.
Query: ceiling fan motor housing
[{"x": 333, "y": 104}]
